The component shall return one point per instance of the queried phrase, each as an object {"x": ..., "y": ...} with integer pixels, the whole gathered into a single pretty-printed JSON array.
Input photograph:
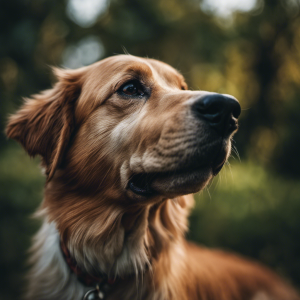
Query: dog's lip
[
  {"x": 219, "y": 161},
  {"x": 142, "y": 183},
  {"x": 219, "y": 164}
]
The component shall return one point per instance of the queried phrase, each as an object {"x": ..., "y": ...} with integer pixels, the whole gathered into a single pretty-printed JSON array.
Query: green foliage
[
  {"x": 20, "y": 194},
  {"x": 252, "y": 212}
]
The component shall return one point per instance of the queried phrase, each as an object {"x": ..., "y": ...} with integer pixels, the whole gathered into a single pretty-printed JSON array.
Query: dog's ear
[{"x": 45, "y": 122}]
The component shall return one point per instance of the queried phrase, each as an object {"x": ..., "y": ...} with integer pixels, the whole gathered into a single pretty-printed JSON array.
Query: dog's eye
[{"x": 132, "y": 88}]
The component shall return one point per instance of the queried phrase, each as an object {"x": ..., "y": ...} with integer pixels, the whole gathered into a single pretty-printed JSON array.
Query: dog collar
[{"x": 101, "y": 285}]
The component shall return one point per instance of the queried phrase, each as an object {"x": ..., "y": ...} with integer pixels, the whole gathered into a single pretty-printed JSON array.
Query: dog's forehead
[
  {"x": 145, "y": 67},
  {"x": 167, "y": 72}
]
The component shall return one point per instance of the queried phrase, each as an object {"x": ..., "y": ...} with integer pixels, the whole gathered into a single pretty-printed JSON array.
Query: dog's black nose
[{"x": 221, "y": 112}]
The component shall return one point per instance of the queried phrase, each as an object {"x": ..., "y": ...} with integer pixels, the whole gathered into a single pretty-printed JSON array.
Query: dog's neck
[
  {"x": 126, "y": 242},
  {"x": 113, "y": 239}
]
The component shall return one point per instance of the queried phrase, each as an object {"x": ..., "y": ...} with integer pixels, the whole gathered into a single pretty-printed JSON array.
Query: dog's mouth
[
  {"x": 140, "y": 184},
  {"x": 178, "y": 182}
]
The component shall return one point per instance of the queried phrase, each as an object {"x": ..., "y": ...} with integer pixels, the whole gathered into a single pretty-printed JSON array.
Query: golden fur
[{"x": 93, "y": 139}]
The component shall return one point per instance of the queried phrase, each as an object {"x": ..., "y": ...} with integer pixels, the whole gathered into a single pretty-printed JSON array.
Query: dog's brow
[{"x": 140, "y": 70}]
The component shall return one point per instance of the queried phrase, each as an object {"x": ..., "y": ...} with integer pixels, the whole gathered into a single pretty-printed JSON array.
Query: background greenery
[{"x": 253, "y": 206}]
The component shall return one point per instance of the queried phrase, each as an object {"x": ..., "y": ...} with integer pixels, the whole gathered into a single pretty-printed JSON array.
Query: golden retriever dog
[{"x": 124, "y": 144}]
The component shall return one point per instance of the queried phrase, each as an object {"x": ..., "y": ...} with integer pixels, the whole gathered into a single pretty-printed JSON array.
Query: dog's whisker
[
  {"x": 125, "y": 50},
  {"x": 234, "y": 149},
  {"x": 207, "y": 189},
  {"x": 229, "y": 167}
]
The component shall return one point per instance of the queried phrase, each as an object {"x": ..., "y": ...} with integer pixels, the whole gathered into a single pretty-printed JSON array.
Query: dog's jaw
[{"x": 181, "y": 161}]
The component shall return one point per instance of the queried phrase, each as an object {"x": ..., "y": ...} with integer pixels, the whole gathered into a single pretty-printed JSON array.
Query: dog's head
[
  {"x": 117, "y": 139},
  {"x": 130, "y": 123}
]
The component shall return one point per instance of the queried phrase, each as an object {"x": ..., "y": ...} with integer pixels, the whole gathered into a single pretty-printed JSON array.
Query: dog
[{"x": 124, "y": 144}]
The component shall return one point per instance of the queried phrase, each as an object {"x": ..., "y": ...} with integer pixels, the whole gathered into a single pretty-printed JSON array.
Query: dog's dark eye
[{"x": 132, "y": 88}]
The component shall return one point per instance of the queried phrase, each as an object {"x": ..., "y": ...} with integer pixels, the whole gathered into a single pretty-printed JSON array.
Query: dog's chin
[
  {"x": 171, "y": 184},
  {"x": 181, "y": 183}
]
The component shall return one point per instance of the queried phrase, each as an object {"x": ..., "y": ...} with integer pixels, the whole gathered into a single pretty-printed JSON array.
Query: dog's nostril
[
  {"x": 215, "y": 118},
  {"x": 213, "y": 108},
  {"x": 219, "y": 110}
]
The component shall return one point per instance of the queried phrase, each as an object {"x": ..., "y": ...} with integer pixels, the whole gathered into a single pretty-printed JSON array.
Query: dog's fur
[{"x": 93, "y": 139}]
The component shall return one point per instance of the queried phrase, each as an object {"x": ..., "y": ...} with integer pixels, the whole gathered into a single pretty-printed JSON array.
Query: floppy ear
[{"x": 44, "y": 123}]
